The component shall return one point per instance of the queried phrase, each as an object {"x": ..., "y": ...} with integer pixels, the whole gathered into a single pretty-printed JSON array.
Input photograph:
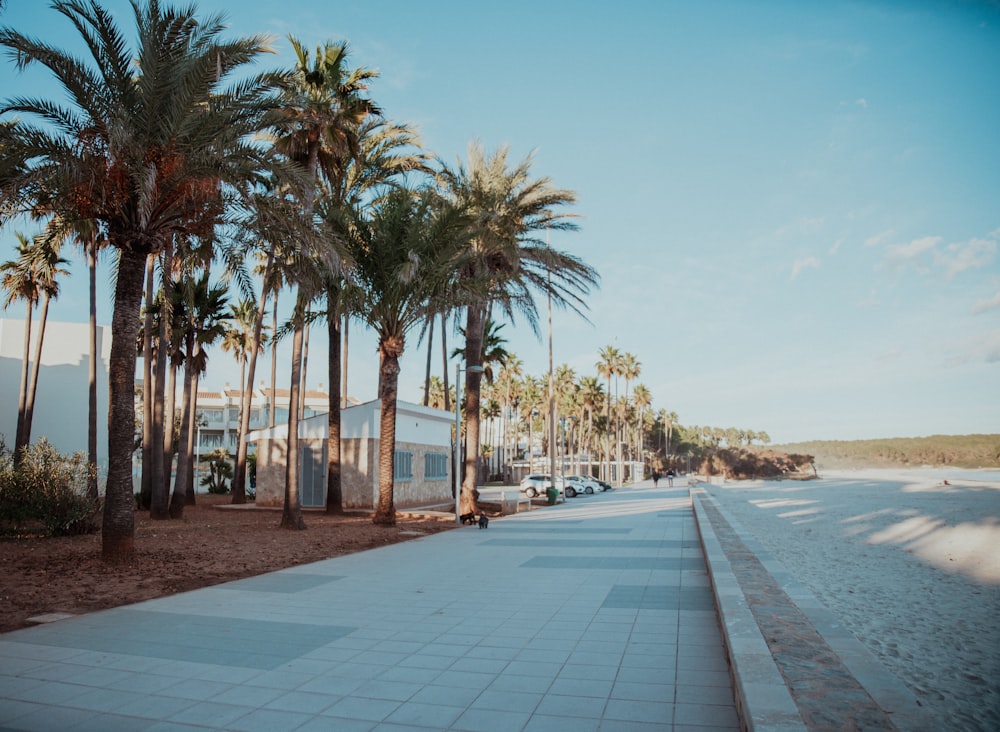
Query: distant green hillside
[{"x": 960, "y": 451}]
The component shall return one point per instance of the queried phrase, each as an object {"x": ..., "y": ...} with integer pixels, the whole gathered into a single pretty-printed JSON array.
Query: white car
[
  {"x": 536, "y": 484},
  {"x": 581, "y": 484}
]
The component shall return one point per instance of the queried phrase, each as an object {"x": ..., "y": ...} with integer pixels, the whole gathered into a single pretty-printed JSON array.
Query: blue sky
[{"x": 794, "y": 207}]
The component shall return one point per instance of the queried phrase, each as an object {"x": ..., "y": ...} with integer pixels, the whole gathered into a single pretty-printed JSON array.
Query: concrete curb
[
  {"x": 763, "y": 701},
  {"x": 755, "y": 675}
]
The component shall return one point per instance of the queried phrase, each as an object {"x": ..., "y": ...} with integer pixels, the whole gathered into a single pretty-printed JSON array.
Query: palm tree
[
  {"x": 403, "y": 248},
  {"x": 19, "y": 283},
  {"x": 381, "y": 152},
  {"x": 507, "y": 263},
  {"x": 510, "y": 372},
  {"x": 642, "y": 399},
  {"x": 32, "y": 277},
  {"x": 324, "y": 111},
  {"x": 609, "y": 365},
  {"x": 145, "y": 145},
  {"x": 204, "y": 309},
  {"x": 591, "y": 394},
  {"x": 245, "y": 342},
  {"x": 630, "y": 369}
]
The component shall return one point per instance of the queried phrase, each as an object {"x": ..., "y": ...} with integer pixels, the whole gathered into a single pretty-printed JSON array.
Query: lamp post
[{"x": 458, "y": 437}]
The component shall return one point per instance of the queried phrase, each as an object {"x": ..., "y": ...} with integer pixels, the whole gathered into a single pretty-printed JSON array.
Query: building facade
[{"x": 423, "y": 469}]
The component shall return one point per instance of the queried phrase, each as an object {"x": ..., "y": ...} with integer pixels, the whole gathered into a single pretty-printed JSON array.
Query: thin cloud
[
  {"x": 803, "y": 264},
  {"x": 984, "y": 306},
  {"x": 900, "y": 255},
  {"x": 984, "y": 348},
  {"x": 879, "y": 239},
  {"x": 871, "y": 301},
  {"x": 862, "y": 102},
  {"x": 972, "y": 254}
]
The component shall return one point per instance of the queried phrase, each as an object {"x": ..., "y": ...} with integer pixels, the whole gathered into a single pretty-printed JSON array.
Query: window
[
  {"x": 403, "y": 465},
  {"x": 234, "y": 414},
  {"x": 211, "y": 439},
  {"x": 435, "y": 466},
  {"x": 212, "y": 415}
]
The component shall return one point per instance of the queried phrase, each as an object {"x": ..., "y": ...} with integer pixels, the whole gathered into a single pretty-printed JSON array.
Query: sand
[{"x": 911, "y": 566}]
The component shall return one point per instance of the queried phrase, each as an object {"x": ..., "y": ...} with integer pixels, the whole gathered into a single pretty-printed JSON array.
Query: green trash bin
[{"x": 552, "y": 494}]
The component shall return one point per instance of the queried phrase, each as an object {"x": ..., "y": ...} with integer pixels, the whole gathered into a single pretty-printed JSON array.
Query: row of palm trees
[{"x": 177, "y": 157}]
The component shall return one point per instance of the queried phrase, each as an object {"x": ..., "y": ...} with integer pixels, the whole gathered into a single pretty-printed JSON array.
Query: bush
[
  {"x": 47, "y": 489},
  {"x": 219, "y": 471}
]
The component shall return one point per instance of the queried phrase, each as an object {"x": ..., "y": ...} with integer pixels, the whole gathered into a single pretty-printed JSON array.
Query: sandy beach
[{"x": 910, "y": 562}]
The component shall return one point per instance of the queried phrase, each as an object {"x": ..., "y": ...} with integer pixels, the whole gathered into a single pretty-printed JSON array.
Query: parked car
[
  {"x": 537, "y": 483},
  {"x": 605, "y": 485},
  {"x": 582, "y": 484}
]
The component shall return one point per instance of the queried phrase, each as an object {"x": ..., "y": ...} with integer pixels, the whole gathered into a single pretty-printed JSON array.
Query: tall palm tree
[
  {"x": 380, "y": 152},
  {"x": 630, "y": 368},
  {"x": 19, "y": 283},
  {"x": 145, "y": 143},
  {"x": 324, "y": 108},
  {"x": 241, "y": 338},
  {"x": 404, "y": 252},
  {"x": 32, "y": 277},
  {"x": 510, "y": 372},
  {"x": 507, "y": 262},
  {"x": 608, "y": 366},
  {"x": 642, "y": 399},
  {"x": 591, "y": 395},
  {"x": 203, "y": 314}
]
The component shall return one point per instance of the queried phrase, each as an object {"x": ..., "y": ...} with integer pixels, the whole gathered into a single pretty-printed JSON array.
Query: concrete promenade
[{"x": 596, "y": 614}]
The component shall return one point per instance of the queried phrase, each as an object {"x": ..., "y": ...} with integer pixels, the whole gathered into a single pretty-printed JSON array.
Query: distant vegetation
[{"x": 960, "y": 451}]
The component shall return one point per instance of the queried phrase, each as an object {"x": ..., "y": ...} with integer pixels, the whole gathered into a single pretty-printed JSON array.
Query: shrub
[
  {"x": 219, "y": 471},
  {"x": 47, "y": 489}
]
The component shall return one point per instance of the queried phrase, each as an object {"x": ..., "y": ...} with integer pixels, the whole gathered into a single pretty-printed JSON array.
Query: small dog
[
  {"x": 468, "y": 519},
  {"x": 484, "y": 521}
]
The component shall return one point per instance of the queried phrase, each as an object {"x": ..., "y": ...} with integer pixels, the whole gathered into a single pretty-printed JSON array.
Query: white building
[
  {"x": 423, "y": 466},
  {"x": 61, "y": 399},
  {"x": 220, "y": 413}
]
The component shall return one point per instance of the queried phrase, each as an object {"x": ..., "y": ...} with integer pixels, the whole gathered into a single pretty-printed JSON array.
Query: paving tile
[{"x": 583, "y": 625}]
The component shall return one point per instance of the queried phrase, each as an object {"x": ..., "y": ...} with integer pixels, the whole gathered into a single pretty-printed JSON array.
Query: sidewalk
[{"x": 596, "y": 614}]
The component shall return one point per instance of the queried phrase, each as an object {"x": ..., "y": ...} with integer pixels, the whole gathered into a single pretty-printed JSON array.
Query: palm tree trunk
[
  {"x": 118, "y": 526},
  {"x": 246, "y": 398},
  {"x": 334, "y": 491},
  {"x": 158, "y": 508},
  {"x": 92, "y": 490},
  {"x": 23, "y": 396},
  {"x": 159, "y": 490},
  {"x": 475, "y": 322},
  {"x": 29, "y": 405},
  {"x": 146, "y": 491},
  {"x": 444, "y": 363},
  {"x": 427, "y": 373},
  {"x": 385, "y": 510},
  {"x": 195, "y": 450},
  {"x": 170, "y": 409},
  {"x": 184, "y": 455},
  {"x": 344, "y": 362},
  {"x": 274, "y": 358},
  {"x": 291, "y": 516},
  {"x": 305, "y": 366}
]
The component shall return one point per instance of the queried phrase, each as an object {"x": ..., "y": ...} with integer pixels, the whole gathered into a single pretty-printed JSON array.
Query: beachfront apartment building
[
  {"x": 61, "y": 401},
  {"x": 219, "y": 413}
]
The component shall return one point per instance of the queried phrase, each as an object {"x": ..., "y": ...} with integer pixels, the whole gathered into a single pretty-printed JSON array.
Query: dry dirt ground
[{"x": 207, "y": 546}]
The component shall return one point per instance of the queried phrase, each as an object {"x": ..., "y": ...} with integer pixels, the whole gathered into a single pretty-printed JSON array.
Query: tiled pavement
[{"x": 597, "y": 614}]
